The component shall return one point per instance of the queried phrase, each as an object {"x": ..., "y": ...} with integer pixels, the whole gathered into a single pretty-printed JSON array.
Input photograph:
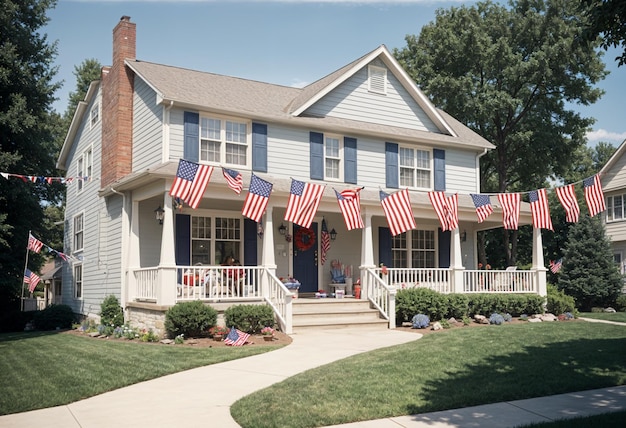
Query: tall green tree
[
  {"x": 510, "y": 74},
  {"x": 85, "y": 73},
  {"x": 28, "y": 135},
  {"x": 589, "y": 273},
  {"x": 606, "y": 18}
]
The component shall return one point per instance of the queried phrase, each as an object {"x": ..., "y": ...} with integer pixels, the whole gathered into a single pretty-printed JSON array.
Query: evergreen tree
[{"x": 589, "y": 273}]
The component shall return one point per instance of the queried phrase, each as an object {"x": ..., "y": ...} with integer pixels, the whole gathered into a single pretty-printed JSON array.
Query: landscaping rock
[
  {"x": 548, "y": 317},
  {"x": 437, "y": 326},
  {"x": 609, "y": 309},
  {"x": 534, "y": 319},
  {"x": 93, "y": 334},
  {"x": 166, "y": 341}
]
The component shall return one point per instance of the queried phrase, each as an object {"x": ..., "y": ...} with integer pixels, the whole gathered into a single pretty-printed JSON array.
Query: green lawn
[
  {"x": 617, "y": 316},
  {"x": 39, "y": 370},
  {"x": 458, "y": 368}
]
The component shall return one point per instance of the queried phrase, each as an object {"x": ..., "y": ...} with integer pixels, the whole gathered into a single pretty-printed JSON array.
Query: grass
[
  {"x": 459, "y": 368},
  {"x": 607, "y": 316},
  {"x": 45, "y": 369},
  {"x": 607, "y": 420}
]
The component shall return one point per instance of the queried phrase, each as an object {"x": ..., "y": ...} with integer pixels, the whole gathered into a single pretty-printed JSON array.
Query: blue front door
[{"x": 305, "y": 257}]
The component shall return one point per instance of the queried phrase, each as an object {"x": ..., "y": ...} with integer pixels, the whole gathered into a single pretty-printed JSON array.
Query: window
[
  {"x": 78, "y": 281},
  {"x": 215, "y": 238},
  {"x": 223, "y": 141},
  {"x": 617, "y": 258},
  {"x": 332, "y": 158},
  {"x": 415, "y": 167},
  {"x": 377, "y": 79},
  {"x": 414, "y": 249},
  {"x": 88, "y": 163},
  {"x": 84, "y": 168},
  {"x": 78, "y": 233},
  {"x": 615, "y": 208},
  {"x": 94, "y": 115},
  {"x": 80, "y": 172}
]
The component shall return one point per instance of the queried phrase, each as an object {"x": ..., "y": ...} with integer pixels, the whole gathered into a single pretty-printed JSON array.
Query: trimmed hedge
[
  {"x": 191, "y": 319},
  {"x": 54, "y": 317},
  {"x": 559, "y": 302},
  {"x": 249, "y": 318}
]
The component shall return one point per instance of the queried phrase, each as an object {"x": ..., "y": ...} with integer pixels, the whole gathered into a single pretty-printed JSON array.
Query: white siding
[
  {"x": 147, "y": 129},
  {"x": 176, "y": 135},
  {"x": 352, "y": 100},
  {"x": 288, "y": 152},
  {"x": 150, "y": 231},
  {"x": 615, "y": 179},
  {"x": 616, "y": 230},
  {"x": 461, "y": 171}
]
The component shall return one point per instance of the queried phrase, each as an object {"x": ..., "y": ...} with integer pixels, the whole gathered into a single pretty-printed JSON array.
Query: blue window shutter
[
  {"x": 249, "y": 242},
  {"x": 384, "y": 246},
  {"x": 444, "y": 248},
  {"x": 349, "y": 153},
  {"x": 259, "y": 147},
  {"x": 183, "y": 240},
  {"x": 440, "y": 169},
  {"x": 391, "y": 165},
  {"x": 191, "y": 149},
  {"x": 317, "y": 155}
]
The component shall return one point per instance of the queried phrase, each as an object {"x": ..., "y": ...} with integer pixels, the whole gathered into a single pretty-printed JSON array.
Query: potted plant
[
  {"x": 218, "y": 332},
  {"x": 267, "y": 333}
]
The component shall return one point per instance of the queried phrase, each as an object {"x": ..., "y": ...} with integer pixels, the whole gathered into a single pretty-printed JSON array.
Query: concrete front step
[{"x": 335, "y": 313}]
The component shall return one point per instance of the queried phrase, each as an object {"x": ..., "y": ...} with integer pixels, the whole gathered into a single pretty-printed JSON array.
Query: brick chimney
[{"x": 117, "y": 105}]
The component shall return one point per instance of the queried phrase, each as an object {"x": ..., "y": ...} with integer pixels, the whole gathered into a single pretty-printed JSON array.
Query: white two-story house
[{"x": 366, "y": 125}]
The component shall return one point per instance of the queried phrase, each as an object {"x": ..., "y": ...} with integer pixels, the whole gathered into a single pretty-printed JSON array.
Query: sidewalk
[{"x": 202, "y": 397}]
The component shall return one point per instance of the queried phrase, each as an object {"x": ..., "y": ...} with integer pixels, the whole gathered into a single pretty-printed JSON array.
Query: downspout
[
  {"x": 166, "y": 132},
  {"x": 478, "y": 156}
]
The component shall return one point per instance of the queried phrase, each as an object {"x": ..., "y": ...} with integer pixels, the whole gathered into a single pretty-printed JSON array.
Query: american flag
[
  {"x": 303, "y": 202},
  {"x": 510, "y": 203},
  {"x": 191, "y": 181},
  {"x": 567, "y": 197},
  {"x": 325, "y": 242},
  {"x": 446, "y": 209},
  {"x": 540, "y": 209},
  {"x": 32, "y": 279},
  {"x": 257, "y": 198},
  {"x": 236, "y": 337},
  {"x": 350, "y": 205},
  {"x": 556, "y": 266},
  {"x": 594, "y": 195},
  {"x": 397, "y": 208},
  {"x": 233, "y": 179},
  {"x": 34, "y": 244},
  {"x": 483, "y": 206}
]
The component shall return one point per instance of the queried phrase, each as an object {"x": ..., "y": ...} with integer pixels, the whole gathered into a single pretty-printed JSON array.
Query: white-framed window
[
  {"x": 80, "y": 172},
  {"x": 377, "y": 79},
  {"x": 415, "y": 167},
  {"x": 213, "y": 238},
  {"x": 78, "y": 232},
  {"x": 94, "y": 115},
  {"x": 224, "y": 141},
  {"x": 414, "y": 249},
  {"x": 615, "y": 209},
  {"x": 88, "y": 163},
  {"x": 84, "y": 168},
  {"x": 333, "y": 149},
  {"x": 78, "y": 281}
]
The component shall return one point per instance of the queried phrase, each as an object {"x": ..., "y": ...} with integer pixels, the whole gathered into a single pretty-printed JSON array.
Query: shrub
[
  {"x": 413, "y": 301},
  {"x": 111, "y": 312},
  {"x": 620, "y": 303},
  {"x": 458, "y": 306},
  {"x": 13, "y": 321},
  {"x": 496, "y": 319},
  {"x": 191, "y": 319},
  {"x": 558, "y": 301},
  {"x": 514, "y": 304},
  {"x": 54, "y": 317},
  {"x": 420, "y": 321},
  {"x": 507, "y": 317},
  {"x": 249, "y": 318}
]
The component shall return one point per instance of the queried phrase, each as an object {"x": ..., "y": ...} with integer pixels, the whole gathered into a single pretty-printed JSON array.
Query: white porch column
[
  {"x": 456, "y": 262},
  {"x": 538, "y": 264},
  {"x": 367, "y": 250},
  {"x": 167, "y": 263},
  {"x": 128, "y": 274},
  {"x": 268, "y": 258}
]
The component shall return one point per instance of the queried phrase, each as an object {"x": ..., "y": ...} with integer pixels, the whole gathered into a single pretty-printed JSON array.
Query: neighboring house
[
  {"x": 613, "y": 178},
  {"x": 364, "y": 125}
]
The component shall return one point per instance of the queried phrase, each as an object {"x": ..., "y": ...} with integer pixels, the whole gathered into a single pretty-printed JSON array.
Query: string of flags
[
  {"x": 304, "y": 199},
  {"x": 35, "y": 245},
  {"x": 44, "y": 179}
]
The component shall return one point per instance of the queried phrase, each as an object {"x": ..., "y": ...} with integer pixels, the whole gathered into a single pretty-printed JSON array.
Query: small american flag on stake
[{"x": 236, "y": 337}]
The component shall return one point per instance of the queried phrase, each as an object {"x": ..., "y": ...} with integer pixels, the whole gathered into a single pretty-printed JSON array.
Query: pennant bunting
[
  {"x": 349, "y": 201},
  {"x": 324, "y": 242},
  {"x": 567, "y": 197},
  {"x": 540, "y": 209},
  {"x": 257, "y": 198},
  {"x": 594, "y": 195},
  {"x": 233, "y": 179},
  {"x": 510, "y": 203},
  {"x": 397, "y": 208},
  {"x": 483, "y": 206},
  {"x": 34, "y": 244},
  {"x": 304, "y": 198},
  {"x": 190, "y": 182},
  {"x": 32, "y": 279}
]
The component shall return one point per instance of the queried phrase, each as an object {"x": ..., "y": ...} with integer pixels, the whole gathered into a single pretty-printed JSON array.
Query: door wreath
[{"x": 304, "y": 239}]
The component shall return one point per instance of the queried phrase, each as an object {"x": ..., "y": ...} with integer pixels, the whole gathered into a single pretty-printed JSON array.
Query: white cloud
[{"x": 607, "y": 136}]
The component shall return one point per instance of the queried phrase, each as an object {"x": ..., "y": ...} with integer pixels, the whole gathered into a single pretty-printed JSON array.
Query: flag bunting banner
[
  {"x": 257, "y": 198},
  {"x": 510, "y": 203},
  {"x": 483, "y": 206},
  {"x": 349, "y": 201},
  {"x": 190, "y": 182},
  {"x": 567, "y": 197},
  {"x": 304, "y": 199},
  {"x": 45, "y": 179},
  {"x": 540, "y": 209},
  {"x": 594, "y": 195},
  {"x": 398, "y": 211},
  {"x": 233, "y": 179},
  {"x": 446, "y": 209},
  {"x": 34, "y": 244}
]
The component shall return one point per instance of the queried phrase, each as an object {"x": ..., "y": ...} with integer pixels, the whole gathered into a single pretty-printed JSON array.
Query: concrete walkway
[{"x": 202, "y": 397}]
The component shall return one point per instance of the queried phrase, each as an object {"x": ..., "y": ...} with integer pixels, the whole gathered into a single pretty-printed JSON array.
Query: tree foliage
[
  {"x": 509, "y": 74},
  {"x": 85, "y": 73},
  {"x": 606, "y": 18},
  {"x": 589, "y": 273}
]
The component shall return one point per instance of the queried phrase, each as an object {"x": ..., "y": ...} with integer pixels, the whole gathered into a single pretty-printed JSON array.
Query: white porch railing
[
  {"x": 280, "y": 299},
  {"x": 432, "y": 278},
  {"x": 499, "y": 281},
  {"x": 381, "y": 295}
]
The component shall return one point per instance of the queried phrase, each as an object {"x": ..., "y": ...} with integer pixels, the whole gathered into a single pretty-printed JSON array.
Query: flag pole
[{"x": 25, "y": 267}]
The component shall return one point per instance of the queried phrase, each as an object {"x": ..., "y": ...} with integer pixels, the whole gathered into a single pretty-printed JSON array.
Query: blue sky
[{"x": 288, "y": 42}]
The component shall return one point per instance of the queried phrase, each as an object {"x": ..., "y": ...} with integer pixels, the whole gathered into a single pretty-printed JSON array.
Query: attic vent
[{"x": 377, "y": 79}]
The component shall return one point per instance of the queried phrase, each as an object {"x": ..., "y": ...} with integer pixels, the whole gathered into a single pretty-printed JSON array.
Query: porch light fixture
[
  {"x": 333, "y": 234},
  {"x": 159, "y": 214},
  {"x": 282, "y": 229},
  {"x": 463, "y": 236}
]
